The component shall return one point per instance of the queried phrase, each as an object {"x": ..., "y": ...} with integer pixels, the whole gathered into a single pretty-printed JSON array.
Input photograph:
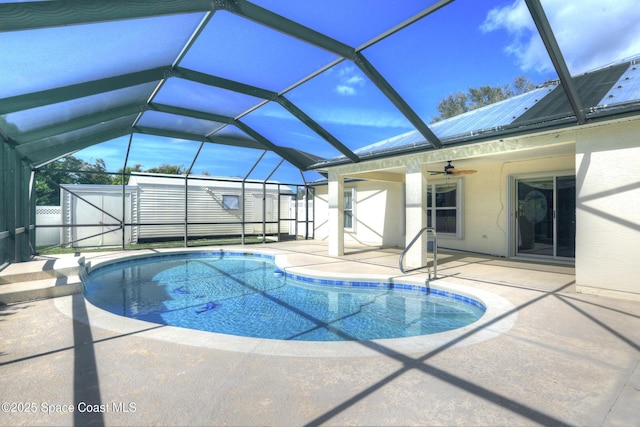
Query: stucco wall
[
  {"x": 380, "y": 206},
  {"x": 608, "y": 210},
  {"x": 606, "y": 160},
  {"x": 486, "y": 201},
  {"x": 379, "y": 213}
]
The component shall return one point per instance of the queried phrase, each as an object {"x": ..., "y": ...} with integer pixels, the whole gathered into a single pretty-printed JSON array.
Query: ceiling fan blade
[{"x": 463, "y": 172}]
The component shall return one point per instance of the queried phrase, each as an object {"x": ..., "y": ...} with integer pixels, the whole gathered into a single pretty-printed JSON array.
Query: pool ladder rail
[{"x": 435, "y": 253}]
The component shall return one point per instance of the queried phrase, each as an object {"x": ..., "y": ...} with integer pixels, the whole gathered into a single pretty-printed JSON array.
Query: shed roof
[{"x": 144, "y": 180}]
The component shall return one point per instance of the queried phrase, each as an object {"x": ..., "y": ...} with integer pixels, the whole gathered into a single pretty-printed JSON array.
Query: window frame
[
  {"x": 233, "y": 206},
  {"x": 433, "y": 209},
  {"x": 351, "y": 210}
]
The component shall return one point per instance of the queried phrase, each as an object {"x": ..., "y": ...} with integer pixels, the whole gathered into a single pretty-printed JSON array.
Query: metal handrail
[{"x": 435, "y": 252}]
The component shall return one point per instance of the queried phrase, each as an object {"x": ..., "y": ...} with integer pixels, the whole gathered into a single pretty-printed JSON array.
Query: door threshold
[{"x": 544, "y": 259}]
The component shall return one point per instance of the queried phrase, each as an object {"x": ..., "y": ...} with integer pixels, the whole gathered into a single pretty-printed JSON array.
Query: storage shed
[
  {"x": 168, "y": 207},
  {"x": 212, "y": 207}
]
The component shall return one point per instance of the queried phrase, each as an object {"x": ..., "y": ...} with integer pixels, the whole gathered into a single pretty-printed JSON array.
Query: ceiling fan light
[{"x": 449, "y": 168}]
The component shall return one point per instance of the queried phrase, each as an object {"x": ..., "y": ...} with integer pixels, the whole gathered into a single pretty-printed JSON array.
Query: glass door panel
[
  {"x": 535, "y": 225},
  {"x": 546, "y": 216},
  {"x": 566, "y": 216}
]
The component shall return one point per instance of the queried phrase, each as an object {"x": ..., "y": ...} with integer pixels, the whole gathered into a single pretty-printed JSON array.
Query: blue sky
[{"x": 466, "y": 44}]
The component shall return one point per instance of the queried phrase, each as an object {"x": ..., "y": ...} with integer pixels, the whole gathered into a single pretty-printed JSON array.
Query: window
[
  {"x": 444, "y": 204},
  {"x": 349, "y": 209},
  {"x": 230, "y": 202}
]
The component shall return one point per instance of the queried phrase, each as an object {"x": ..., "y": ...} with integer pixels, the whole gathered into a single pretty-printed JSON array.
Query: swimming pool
[{"x": 245, "y": 294}]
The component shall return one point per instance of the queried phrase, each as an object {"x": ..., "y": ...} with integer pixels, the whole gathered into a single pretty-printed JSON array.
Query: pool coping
[{"x": 499, "y": 317}]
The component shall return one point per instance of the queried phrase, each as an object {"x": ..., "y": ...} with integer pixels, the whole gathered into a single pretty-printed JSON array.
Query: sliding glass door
[
  {"x": 545, "y": 216},
  {"x": 566, "y": 216}
]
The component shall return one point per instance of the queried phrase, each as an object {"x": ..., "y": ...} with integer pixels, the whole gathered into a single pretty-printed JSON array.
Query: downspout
[
  {"x": 244, "y": 213},
  {"x": 242, "y": 237},
  {"x": 264, "y": 211},
  {"x": 264, "y": 203},
  {"x": 124, "y": 184},
  {"x": 186, "y": 196},
  {"x": 186, "y": 210},
  {"x": 32, "y": 213},
  {"x": 306, "y": 208}
]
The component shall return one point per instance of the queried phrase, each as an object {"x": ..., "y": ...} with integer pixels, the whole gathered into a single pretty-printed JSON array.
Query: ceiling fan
[{"x": 449, "y": 169}]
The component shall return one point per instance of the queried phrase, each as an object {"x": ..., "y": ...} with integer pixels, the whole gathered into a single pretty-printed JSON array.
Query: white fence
[{"x": 48, "y": 215}]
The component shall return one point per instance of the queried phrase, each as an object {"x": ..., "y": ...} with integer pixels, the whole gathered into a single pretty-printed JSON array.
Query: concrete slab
[
  {"x": 568, "y": 359},
  {"x": 39, "y": 289}
]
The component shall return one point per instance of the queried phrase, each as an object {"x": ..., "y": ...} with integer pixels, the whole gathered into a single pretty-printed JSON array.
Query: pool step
[{"x": 39, "y": 279}]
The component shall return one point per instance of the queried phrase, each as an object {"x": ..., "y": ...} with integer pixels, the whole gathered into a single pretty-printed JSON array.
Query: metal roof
[
  {"x": 625, "y": 90},
  {"x": 620, "y": 84},
  {"x": 466, "y": 125},
  {"x": 231, "y": 80},
  {"x": 591, "y": 87}
]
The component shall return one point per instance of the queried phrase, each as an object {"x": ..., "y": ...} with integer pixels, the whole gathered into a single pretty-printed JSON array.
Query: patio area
[{"x": 565, "y": 359}]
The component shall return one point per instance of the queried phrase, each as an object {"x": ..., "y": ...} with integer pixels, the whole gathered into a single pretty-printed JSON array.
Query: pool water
[{"x": 245, "y": 295}]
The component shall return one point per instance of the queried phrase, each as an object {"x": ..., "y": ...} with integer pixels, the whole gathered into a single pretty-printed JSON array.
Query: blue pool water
[{"x": 246, "y": 295}]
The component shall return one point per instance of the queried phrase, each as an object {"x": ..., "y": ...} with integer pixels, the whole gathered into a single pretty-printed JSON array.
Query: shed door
[{"x": 106, "y": 230}]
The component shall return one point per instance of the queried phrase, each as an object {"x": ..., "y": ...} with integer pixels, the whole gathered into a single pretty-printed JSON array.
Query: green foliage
[
  {"x": 164, "y": 168},
  {"x": 485, "y": 95},
  {"x": 69, "y": 170},
  {"x": 168, "y": 169},
  {"x": 72, "y": 170},
  {"x": 452, "y": 105},
  {"x": 117, "y": 179},
  {"x": 462, "y": 102},
  {"x": 521, "y": 84}
]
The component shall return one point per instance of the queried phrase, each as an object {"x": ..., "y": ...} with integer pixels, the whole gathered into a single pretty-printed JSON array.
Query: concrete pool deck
[{"x": 565, "y": 359}]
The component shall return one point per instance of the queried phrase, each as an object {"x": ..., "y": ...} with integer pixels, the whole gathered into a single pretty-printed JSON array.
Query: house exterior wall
[
  {"x": 605, "y": 157},
  {"x": 486, "y": 203},
  {"x": 608, "y": 210},
  {"x": 379, "y": 213},
  {"x": 485, "y": 206}
]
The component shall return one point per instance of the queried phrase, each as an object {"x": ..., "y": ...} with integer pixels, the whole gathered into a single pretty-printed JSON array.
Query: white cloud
[
  {"x": 590, "y": 33},
  {"x": 364, "y": 117},
  {"x": 345, "y": 90},
  {"x": 350, "y": 80},
  {"x": 355, "y": 80}
]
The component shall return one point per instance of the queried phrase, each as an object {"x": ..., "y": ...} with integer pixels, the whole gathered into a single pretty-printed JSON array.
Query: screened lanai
[{"x": 275, "y": 92}]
